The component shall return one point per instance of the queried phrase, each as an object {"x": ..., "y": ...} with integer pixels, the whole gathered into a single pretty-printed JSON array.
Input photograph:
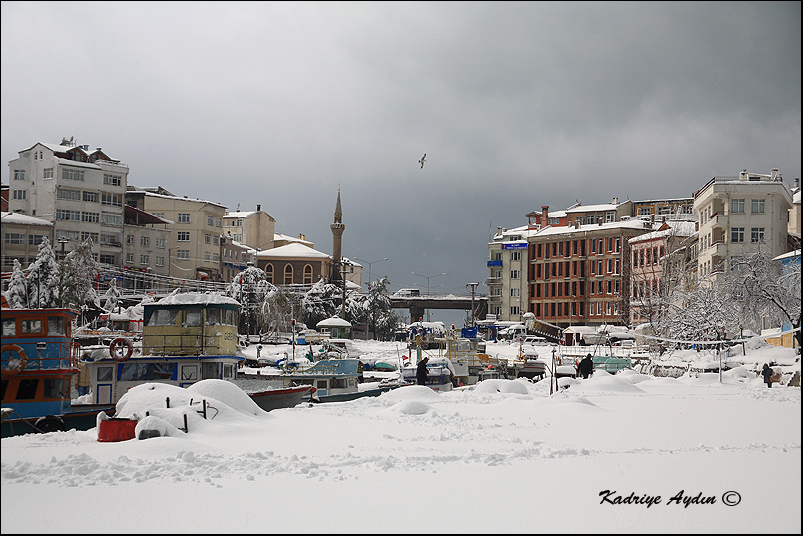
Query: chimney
[
  {"x": 797, "y": 182},
  {"x": 259, "y": 207},
  {"x": 544, "y": 215},
  {"x": 615, "y": 201},
  {"x": 773, "y": 175},
  {"x": 577, "y": 224},
  {"x": 599, "y": 221}
]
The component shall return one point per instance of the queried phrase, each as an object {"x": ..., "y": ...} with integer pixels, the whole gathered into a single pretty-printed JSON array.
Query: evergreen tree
[
  {"x": 320, "y": 302},
  {"x": 79, "y": 270},
  {"x": 381, "y": 318},
  {"x": 17, "y": 293},
  {"x": 258, "y": 297},
  {"x": 43, "y": 278}
]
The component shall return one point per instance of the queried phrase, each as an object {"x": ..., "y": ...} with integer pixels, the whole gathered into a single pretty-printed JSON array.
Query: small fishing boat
[
  {"x": 271, "y": 399},
  {"x": 439, "y": 374},
  {"x": 335, "y": 380},
  {"x": 39, "y": 359}
]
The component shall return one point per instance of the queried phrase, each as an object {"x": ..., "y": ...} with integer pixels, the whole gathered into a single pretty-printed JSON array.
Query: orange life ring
[
  {"x": 129, "y": 349},
  {"x": 23, "y": 359}
]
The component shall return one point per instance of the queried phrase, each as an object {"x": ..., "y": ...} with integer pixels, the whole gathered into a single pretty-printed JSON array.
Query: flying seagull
[{"x": 423, "y": 159}]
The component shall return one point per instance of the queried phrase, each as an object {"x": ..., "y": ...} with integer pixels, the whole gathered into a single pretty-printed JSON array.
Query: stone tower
[{"x": 337, "y": 235}]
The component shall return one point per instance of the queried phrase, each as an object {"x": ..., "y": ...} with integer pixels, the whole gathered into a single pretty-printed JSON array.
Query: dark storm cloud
[{"x": 516, "y": 105}]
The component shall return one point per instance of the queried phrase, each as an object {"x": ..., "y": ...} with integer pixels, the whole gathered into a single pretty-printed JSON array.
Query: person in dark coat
[
  {"x": 767, "y": 373},
  {"x": 421, "y": 372},
  {"x": 587, "y": 366}
]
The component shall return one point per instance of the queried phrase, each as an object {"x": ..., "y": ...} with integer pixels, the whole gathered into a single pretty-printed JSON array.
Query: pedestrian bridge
[{"x": 418, "y": 304}]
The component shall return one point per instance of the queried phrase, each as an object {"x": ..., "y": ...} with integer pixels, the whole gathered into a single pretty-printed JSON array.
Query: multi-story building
[
  {"x": 21, "y": 238},
  {"x": 507, "y": 280},
  {"x": 793, "y": 225},
  {"x": 196, "y": 227},
  {"x": 234, "y": 257},
  {"x": 77, "y": 189},
  {"x": 576, "y": 273},
  {"x": 659, "y": 260},
  {"x": 736, "y": 214},
  {"x": 681, "y": 208},
  {"x": 253, "y": 229},
  {"x": 147, "y": 243}
]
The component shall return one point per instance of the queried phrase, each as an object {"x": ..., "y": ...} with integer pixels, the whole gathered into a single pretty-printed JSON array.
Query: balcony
[
  {"x": 493, "y": 281},
  {"x": 495, "y": 263}
]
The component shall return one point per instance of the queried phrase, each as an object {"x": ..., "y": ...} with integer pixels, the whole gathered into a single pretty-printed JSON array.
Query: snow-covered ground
[{"x": 505, "y": 456}]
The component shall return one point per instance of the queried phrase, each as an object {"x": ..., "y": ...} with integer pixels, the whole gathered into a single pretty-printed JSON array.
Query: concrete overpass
[{"x": 418, "y": 304}]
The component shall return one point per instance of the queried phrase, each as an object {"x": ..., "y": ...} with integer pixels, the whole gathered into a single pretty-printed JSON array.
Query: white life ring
[
  {"x": 22, "y": 361},
  {"x": 128, "y": 351}
]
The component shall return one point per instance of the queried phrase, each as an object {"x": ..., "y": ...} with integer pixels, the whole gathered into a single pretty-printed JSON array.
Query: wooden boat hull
[
  {"x": 282, "y": 398},
  {"x": 82, "y": 417}
]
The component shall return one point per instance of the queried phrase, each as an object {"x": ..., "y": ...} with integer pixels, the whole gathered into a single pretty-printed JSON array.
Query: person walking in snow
[
  {"x": 587, "y": 366},
  {"x": 421, "y": 372},
  {"x": 767, "y": 373}
]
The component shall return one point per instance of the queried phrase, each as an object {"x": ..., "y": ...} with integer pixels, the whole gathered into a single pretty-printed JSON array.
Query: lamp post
[
  {"x": 63, "y": 241},
  {"x": 369, "y": 268},
  {"x": 428, "y": 278}
]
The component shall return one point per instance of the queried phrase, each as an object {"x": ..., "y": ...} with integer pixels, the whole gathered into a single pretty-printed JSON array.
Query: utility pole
[
  {"x": 63, "y": 240},
  {"x": 473, "y": 286}
]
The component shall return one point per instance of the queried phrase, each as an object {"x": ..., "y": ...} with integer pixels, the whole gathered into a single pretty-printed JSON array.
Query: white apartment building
[
  {"x": 507, "y": 277},
  {"x": 80, "y": 191},
  {"x": 738, "y": 213}
]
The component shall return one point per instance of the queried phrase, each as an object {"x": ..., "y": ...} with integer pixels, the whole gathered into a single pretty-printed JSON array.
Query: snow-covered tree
[
  {"x": 256, "y": 295},
  {"x": 79, "y": 270},
  {"x": 43, "y": 278},
  {"x": 767, "y": 292},
  {"x": 111, "y": 297},
  {"x": 381, "y": 318},
  {"x": 17, "y": 293},
  {"x": 320, "y": 302}
]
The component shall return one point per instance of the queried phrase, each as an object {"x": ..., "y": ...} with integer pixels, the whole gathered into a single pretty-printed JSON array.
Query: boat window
[
  {"x": 189, "y": 373},
  {"x": 132, "y": 372},
  {"x": 163, "y": 317},
  {"x": 212, "y": 317},
  {"x": 27, "y": 389},
  {"x": 55, "y": 326},
  {"x": 105, "y": 374},
  {"x": 339, "y": 383},
  {"x": 209, "y": 370},
  {"x": 32, "y": 326},
  {"x": 192, "y": 318},
  {"x": 321, "y": 384},
  {"x": 228, "y": 371},
  {"x": 162, "y": 371},
  {"x": 228, "y": 320},
  {"x": 9, "y": 327},
  {"x": 56, "y": 388},
  {"x": 463, "y": 346}
]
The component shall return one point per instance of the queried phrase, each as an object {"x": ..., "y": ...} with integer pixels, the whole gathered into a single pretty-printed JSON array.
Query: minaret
[{"x": 337, "y": 234}]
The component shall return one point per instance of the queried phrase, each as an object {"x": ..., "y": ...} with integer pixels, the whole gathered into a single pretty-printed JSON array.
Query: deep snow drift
[{"x": 629, "y": 453}]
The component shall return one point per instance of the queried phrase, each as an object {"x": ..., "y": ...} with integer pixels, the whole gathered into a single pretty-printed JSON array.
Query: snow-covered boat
[
  {"x": 336, "y": 380},
  {"x": 186, "y": 338},
  {"x": 439, "y": 374},
  {"x": 39, "y": 359},
  {"x": 288, "y": 397}
]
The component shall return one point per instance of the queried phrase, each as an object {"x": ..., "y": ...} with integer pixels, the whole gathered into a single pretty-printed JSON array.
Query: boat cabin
[{"x": 36, "y": 360}]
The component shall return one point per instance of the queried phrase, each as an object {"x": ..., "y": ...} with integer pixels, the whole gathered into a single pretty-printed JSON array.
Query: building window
[
  {"x": 114, "y": 200},
  {"x": 206, "y": 255},
  {"x": 110, "y": 218},
  {"x": 69, "y": 215},
  {"x": 515, "y": 255},
  {"x": 72, "y": 174},
  {"x": 644, "y": 211},
  {"x": 129, "y": 258},
  {"x": 215, "y": 257},
  {"x": 129, "y": 239},
  {"x": 288, "y": 274},
  {"x": 69, "y": 195},
  {"x": 183, "y": 254},
  {"x": 515, "y": 310},
  {"x": 48, "y": 173},
  {"x": 269, "y": 273},
  {"x": 757, "y": 206},
  {"x": 737, "y": 206},
  {"x": 106, "y": 259},
  {"x": 90, "y": 197},
  {"x": 159, "y": 214},
  {"x": 183, "y": 217},
  {"x": 144, "y": 241},
  {"x": 216, "y": 240},
  {"x": 218, "y": 222},
  {"x": 183, "y": 236},
  {"x": 737, "y": 234},
  {"x": 110, "y": 239},
  {"x": 756, "y": 234},
  {"x": 207, "y": 238},
  {"x": 19, "y": 175},
  {"x": 307, "y": 274},
  {"x": 160, "y": 243},
  {"x": 515, "y": 292},
  {"x": 15, "y": 238},
  {"x": 20, "y": 194},
  {"x": 160, "y": 261},
  {"x": 35, "y": 239},
  {"x": 90, "y": 217},
  {"x": 209, "y": 219},
  {"x": 112, "y": 180},
  {"x": 144, "y": 259},
  {"x": 514, "y": 274}
]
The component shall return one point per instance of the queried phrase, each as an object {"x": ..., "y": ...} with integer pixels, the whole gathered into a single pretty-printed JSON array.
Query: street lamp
[
  {"x": 63, "y": 241},
  {"x": 428, "y": 278},
  {"x": 369, "y": 268}
]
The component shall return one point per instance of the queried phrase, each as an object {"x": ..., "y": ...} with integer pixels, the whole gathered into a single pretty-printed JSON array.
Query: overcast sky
[{"x": 516, "y": 106}]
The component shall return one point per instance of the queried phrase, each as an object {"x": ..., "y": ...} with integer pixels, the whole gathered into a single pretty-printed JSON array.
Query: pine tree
[
  {"x": 320, "y": 302},
  {"x": 79, "y": 270},
  {"x": 43, "y": 278},
  {"x": 17, "y": 293}
]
